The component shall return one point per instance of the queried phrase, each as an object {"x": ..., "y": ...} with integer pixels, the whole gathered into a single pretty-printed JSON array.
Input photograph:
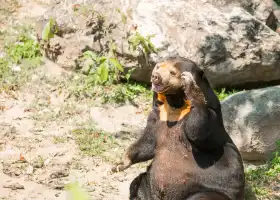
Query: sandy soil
[{"x": 36, "y": 166}]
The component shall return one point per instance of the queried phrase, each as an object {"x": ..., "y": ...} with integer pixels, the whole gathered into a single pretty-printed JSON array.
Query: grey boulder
[
  {"x": 252, "y": 118},
  {"x": 233, "y": 41}
]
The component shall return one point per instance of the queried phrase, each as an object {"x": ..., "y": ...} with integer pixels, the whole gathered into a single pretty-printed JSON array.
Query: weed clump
[
  {"x": 20, "y": 56},
  {"x": 93, "y": 142},
  {"x": 262, "y": 180},
  {"x": 223, "y": 93}
]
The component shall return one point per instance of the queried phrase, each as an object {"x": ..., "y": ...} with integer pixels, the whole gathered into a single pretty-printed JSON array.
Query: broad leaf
[
  {"x": 49, "y": 30},
  {"x": 112, "y": 47},
  {"x": 116, "y": 64},
  {"x": 103, "y": 72},
  {"x": 102, "y": 59},
  {"x": 88, "y": 64},
  {"x": 124, "y": 18},
  {"x": 90, "y": 54},
  {"x": 46, "y": 33},
  {"x": 134, "y": 39}
]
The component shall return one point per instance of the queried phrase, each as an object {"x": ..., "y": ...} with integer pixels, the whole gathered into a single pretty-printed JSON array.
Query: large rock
[
  {"x": 233, "y": 41},
  {"x": 252, "y": 118},
  {"x": 233, "y": 46}
]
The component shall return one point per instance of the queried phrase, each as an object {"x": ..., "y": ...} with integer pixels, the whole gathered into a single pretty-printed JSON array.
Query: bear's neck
[{"x": 176, "y": 100}]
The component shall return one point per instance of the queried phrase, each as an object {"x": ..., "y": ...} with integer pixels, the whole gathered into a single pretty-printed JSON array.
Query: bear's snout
[{"x": 156, "y": 78}]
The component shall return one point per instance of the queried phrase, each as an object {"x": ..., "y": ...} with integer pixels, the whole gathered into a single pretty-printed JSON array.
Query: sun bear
[{"x": 193, "y": 155}]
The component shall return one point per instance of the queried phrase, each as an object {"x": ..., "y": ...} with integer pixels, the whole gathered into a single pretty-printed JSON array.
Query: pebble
[{"x": 14, "y": 186}]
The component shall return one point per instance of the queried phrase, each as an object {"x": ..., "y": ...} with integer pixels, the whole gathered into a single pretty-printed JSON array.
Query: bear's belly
[{"x": 172, "y": 169}]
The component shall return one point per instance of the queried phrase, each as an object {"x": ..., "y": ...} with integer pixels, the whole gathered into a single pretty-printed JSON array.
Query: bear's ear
[{"x": 185, "y": 65}]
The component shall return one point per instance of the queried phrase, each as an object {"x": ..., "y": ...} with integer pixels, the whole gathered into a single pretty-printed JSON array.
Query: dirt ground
[
  {"x": 39, "y": 154},
  {"x": 35, "y": 164}
]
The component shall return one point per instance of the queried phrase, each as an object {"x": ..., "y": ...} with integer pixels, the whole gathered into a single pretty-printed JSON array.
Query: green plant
[
  {"x": 125, "y": 92},
  {"x": 123, "y": 16},
  {"x": 59, "y": 139},
  {"x": 4, "y": 67},
  {"x": 274, "y": 166},
  {"x": 85, "y": 10},
  {"x": 103, "y": 69},
  {"x": 84, "y": 86},
  {"x": 100, "y": 67},
  {"x": 128, "y": 74},
  {"x": 223, "y": 93},
  {"x": 24, "y": 48},
  {"x": 143, "y": 44},
  {"x": 22, "y": 54},
  {"x": 49, "y": 30}
]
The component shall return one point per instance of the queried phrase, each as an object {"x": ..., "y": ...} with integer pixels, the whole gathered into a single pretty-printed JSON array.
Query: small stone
[
  {"x": 14, "y": 186},
  {"x": 29, "y": 170},
  {"x": 46, "y": 162},
  {"x": 17, "y": 172},
  {"x": 13, "y": 130},
  {"x": 58, "y": 187},
  {"x": 16, "y": 68},
  {"x": 59, "y": 174},
  {"x": 90, "y": 189}
]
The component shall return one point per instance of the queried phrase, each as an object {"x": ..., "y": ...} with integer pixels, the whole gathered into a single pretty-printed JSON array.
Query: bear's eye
[{"x": 172, "y": 73}]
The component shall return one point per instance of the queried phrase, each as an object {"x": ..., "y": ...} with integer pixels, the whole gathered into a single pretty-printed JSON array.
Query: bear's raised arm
[{"x": 203, "y": 126}]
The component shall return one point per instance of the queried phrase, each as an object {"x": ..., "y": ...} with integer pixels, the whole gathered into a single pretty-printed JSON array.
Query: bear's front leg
[{"x": 143, "y": 149}]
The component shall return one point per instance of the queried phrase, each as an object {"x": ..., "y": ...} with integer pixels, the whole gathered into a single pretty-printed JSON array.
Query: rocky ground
[{"x": 40, "y": 153}]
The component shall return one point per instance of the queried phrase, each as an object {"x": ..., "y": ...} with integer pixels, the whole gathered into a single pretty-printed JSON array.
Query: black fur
[{"x": 213, "y": 168}]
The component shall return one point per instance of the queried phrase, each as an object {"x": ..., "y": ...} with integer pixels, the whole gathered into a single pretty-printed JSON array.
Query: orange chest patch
[{"x": 168, "y": 113}]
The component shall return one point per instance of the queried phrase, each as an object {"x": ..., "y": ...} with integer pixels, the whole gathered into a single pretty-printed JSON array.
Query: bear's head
[
  {"x": 166, "y": 76},
  {"x": 168, "y": 80}
]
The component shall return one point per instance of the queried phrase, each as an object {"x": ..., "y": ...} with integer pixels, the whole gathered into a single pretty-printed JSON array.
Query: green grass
[
  {"x": 261, "y": 179},
  {"x": 25, "y": 48},
  {"x": 125, "y": 92},
  {"x": 93, "y": 142},
  {"x": 59, "y": 139},
  {"x": 83, "y": 86},
  {"x": 223, "y": 93}
]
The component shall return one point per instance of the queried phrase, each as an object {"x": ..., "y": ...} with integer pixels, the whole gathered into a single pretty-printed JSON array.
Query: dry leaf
[
  {"x": 21, "y": 157},
  {"x": 2, "y": 108},
  {"x": 49, "y": 100},
  {"x": 27, "y": 110}
]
